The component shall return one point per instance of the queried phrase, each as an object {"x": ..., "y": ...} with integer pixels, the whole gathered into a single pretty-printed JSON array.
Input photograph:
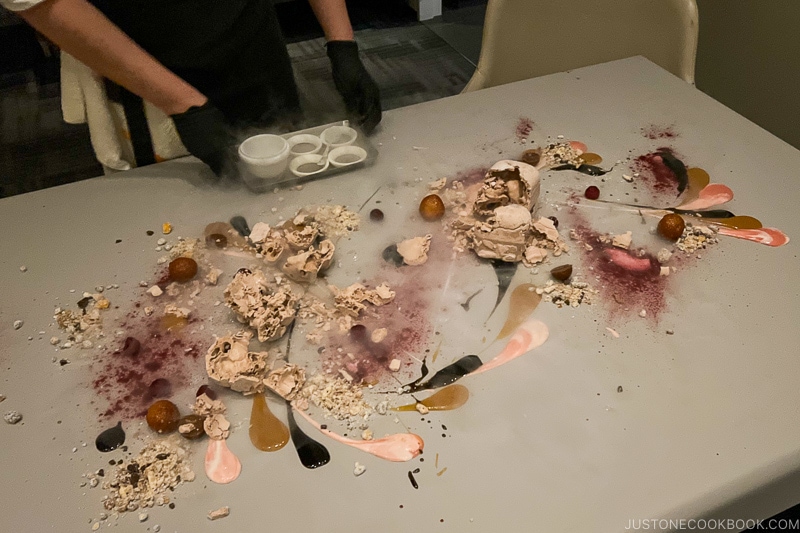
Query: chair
[{"x": 527, "y": 38}]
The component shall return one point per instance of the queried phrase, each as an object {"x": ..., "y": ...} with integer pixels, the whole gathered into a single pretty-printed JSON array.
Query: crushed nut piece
[
  {"x": 359, "y": 469},
  {"x": 145, "y": 480},
  {"x": 222, "y": 512},
  {"x": 415, "y": 250},
  {"x": 12, "y": 417},
  {"x": 379, "y": 334},
  {"x": 340, "y": 398}
]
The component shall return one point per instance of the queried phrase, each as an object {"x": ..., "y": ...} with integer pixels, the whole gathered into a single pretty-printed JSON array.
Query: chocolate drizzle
[
  {"x": 392, "y": 256},
  {"x": 677, "y": 167},
  {"x": 240, "y": 225},
  {"x": 589, "y": 170},
  {"x": 312, "y": 454},
  {"x": 505, "y": 273},
  {"x": 110, "y": 439},
  {"x": 447, "y": 375}
]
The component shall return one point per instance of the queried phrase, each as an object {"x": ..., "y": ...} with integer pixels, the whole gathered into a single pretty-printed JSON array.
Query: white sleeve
[{"x": 19, "y": 5}]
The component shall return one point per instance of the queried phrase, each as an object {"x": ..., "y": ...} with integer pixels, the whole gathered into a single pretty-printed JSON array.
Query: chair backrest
[{"x": 527, "y": 38}]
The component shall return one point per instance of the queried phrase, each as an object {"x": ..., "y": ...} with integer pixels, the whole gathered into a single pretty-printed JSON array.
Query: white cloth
[
  {"x": 19, "y": 5},
  {"x": 84, "y": 101}
]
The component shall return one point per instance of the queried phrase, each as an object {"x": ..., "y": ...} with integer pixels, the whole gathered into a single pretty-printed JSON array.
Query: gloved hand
[
  {"x": 205, "y": 133},
  {"x": 360, "y": 93}
]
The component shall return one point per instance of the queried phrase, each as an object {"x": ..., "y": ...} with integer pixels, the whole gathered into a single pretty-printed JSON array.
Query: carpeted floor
[
  {"x": 410, "y": 65},
  {"x": 408, "y": 60}
]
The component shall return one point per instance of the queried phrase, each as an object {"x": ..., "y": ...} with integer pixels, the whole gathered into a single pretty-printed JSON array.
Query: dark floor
[{"x": 412, "y": 62}]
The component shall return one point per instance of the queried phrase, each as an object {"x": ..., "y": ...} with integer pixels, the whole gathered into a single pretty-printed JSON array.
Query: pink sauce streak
[
  {"x": 627, "y": 261},
  {"x": 222, "y": 466},
  {"x": 579, "y": 146},
  {"x": 398, "y": 447},
  {"x": 769, "y": 236},
  {"x": 528, "y": 336},
  {"x": 709, "y": 196}
]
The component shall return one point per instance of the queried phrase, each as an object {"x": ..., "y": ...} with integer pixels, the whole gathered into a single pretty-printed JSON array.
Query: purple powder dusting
[
  {"x": 654, "y": 132},
  {"x": 524, "y": 128},
  {"x": 625, "y": 291},
  {"x": 655, "y": 175}
]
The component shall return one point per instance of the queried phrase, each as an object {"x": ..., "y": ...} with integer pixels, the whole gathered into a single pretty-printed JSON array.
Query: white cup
[
  {"x": 265, "y": 156},
  {"x": 344, "y": 156},
  {"x": 304, "y": 144},
  {"x": 336, "y": 136},
  {"x": 296, "y": 165}
]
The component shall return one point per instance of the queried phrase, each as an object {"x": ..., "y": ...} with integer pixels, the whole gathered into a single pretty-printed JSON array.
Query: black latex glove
[
  {"x": 359, "y": 90},
  {"x": 207, "y": 136}
]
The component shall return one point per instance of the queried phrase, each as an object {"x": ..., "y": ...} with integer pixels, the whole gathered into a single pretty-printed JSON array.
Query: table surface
[{"x": 706, "y": 425}]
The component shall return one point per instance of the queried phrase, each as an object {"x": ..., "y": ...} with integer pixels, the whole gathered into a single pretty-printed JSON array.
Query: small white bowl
[
  {"x": 265, "y": 156},
  {"x": 336, "y": 136},
  {"x": 304, "y": 144},
  {"x": 298, "y": 162},
  {"x": 344, "y": 156}
]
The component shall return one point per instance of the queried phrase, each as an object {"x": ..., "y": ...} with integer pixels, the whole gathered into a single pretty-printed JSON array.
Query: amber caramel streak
[
  {"x": 448, "y": 398},
  {"x": 267, "y": 433},
  {"x": 523, "y": 302},
  {"x": 590, "y": 158}
]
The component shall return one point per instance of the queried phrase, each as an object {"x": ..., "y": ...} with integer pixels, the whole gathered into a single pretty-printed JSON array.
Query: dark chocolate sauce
[
  {"x": 131, "y": 347},
  {"x": 208, "y": 391},
  {"x": 711, "y": 213},
  {"x": 376, "y": 215},
  {"x": 449, "y": 374},
  {"x": 83, "y": 303},
  {"x": 110, "y": 439},
  {"x": 392, "y": 256},
  {"x": 412, "y": 479},
  {"x": 589, "y": 170},
  {"x": 159, "y": 388},
  {"x": 677, "y": 167},
  {"x": 358, "y": 332},
  {"x": 465, "y": 305},
  {"x": 240, "y": 224},
  {"x": 312, "y": 454},
  {"x": 505, "y": 273}
]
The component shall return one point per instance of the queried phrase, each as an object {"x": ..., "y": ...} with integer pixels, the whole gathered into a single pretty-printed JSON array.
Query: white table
[{"x": 706, "y": 425}]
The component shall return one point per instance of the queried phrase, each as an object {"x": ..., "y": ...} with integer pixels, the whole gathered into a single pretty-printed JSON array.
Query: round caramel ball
[
  {"x": 671, "y": 227},
  {"x": 431, "y": 207},
  {"x": 532, "y": 157},
  {"x": 182, "y": 269},
  {"x": 163, "y": 416}
]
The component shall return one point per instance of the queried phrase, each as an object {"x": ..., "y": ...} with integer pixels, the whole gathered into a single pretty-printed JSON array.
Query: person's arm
[
  {"x": 359, "y": 90},
  {"x": 332, "y": 16},
  {"x": 82, "y": 31}
]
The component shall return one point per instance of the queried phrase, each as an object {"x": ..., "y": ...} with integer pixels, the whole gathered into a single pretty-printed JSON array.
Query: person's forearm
[
  {"x": 332, "y": 16},
  {"x": 81, "y": 30}
]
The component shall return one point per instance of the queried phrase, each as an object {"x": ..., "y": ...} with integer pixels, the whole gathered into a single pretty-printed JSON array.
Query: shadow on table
[
  {"x": 187, "y": 169},
  {"x": 782, "y": 492}
]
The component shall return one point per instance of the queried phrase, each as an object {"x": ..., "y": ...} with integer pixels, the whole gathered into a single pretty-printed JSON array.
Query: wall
[{"x": 748, "y": 58}]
